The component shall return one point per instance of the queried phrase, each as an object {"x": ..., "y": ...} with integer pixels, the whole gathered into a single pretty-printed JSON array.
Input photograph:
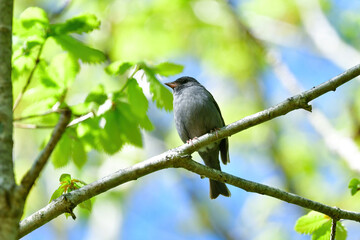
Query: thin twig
[
  {"x": 37, "y": 115},
  {"x": 179, "y": 157},
  {"x": 32, "y": 126},
  {"x": 333, "y": 228},
  {"x": 30, "y": 177},
  {"x": 23, "y": 90},
  {"x": 73, "y": 122},
  {"x": 81, "y": 119}
]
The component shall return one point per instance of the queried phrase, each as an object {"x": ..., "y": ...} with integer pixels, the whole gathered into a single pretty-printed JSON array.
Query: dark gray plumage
[{"x": 196, "y": 113}]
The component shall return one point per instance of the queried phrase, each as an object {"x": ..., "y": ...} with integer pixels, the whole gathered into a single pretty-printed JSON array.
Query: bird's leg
[
  {"x": 216, "y": 131},
  {"x": 190, "y": 141}
]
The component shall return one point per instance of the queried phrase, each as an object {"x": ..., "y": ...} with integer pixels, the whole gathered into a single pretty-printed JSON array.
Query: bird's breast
[{"x": 195, "y": 113}]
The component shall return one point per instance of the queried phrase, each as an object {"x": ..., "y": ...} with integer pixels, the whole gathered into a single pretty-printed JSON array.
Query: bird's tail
[{"x": 217, "y": 188}]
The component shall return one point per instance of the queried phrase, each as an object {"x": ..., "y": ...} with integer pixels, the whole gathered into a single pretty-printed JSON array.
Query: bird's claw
[
  {"x": 190, "y": 141},
  {"x": 216, "y": 131}
]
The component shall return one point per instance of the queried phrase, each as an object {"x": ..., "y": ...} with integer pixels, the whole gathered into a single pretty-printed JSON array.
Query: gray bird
[{"x": 196, "y": 113}]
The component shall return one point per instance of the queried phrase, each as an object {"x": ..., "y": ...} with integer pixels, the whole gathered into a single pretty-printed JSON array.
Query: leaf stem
[
  {"x": 21, "y": 94},
  {"x": 37, "y": 115},
  {"x": 130, "y": 77},
  {"x": 333, "y": 228}
]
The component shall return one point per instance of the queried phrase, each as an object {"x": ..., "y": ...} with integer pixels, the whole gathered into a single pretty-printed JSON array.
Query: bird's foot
[
  {"x": 190, "y": 141},
  {"x": 216, "y": 131}
]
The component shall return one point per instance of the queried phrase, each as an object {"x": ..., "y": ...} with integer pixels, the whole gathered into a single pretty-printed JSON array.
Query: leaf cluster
[
  {"x": 354, "y": 186},
  {"x": 68, "y": 184},
  {"x": 106, "y": 120},
  {"x": 117, "y": 116},
  {"x": 319, "y": 226}
]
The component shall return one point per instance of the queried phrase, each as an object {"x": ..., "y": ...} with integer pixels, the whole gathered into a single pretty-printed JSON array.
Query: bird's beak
[{"x": 171, "y": 84}]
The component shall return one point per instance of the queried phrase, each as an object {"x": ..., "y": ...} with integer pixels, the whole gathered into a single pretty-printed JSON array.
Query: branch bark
[
  {"x": 30, "y": 177},
  {"x": 337, "y": 142},
  {"x": 179, "y": 157}
]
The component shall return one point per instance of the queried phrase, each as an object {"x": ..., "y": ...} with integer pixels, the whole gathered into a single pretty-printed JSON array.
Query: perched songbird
[{"x": 196, "y": 113}]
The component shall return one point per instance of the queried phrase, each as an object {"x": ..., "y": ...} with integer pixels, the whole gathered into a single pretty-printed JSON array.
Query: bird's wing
[{"x": 224, "y": 144}]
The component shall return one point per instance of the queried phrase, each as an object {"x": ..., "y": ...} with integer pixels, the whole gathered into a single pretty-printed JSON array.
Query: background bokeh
[{"x": 251, "y": 54}]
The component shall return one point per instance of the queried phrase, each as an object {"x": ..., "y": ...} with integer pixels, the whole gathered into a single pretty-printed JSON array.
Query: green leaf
[
  {"x": 168, "y": 69},
  {"x": 354, "y": 186},
  {"x": 21, "y": 66},
  {"x": 137, "y": 100},
  {"x": 89, "y": 133},
  {"x": 79, "y": 24},
  {"x": 41, "y": 99},
  {"x": 42, "y": 73},
  {"x": 145, "y": 123},
  {"x": 311, "y": 222},
  {"x": 79, "y": 50},
  {"x": 341, "y": 232},
  {"x": 32, "y": 16},
  {"x": 58, "y": 192},
  {"x": 97, "y": 95},
  {"x": 160, "y": 94},
  {"x": 86, "y": 205},
  {"x": 62, "y": 151},
  {"x": 63, "y": 69},
  {"x": 78, "y": 153},
  {"x": 322, "y": 233},
  {"x": 81, "y": 108},
  {"x": 128, "y": 124},
  {"x": 111, "y": 138},
  {"x": 65, "y": 177},
  {"x": 118, "y": 68}
]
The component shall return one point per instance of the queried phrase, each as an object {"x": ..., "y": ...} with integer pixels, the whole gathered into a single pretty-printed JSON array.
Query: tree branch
[
  {"x": 250, "y": 186},
  {"x": 179, "y": 157},
  {"x": 67, "y": 202},
  {"x": 30, "y": 177},
  {"x": 337, "y": 142},
  {"x": 10, "y": 206}
]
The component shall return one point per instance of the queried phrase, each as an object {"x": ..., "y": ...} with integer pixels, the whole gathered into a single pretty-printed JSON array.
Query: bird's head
[{"x": 182, "y": 83}]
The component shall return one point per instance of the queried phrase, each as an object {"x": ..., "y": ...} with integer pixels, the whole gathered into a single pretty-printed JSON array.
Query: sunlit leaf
[
  {"x": 32, "y": 16},
  {"x": 79, "y": 49},
  {"x": 79, "y": 24},
  {"x": 63, "y": 69},
  {"x": 145, "y": 123},
  {"x": 168, "y": 69},
  {"x": 42, "y": 73},
  {"x": 62, "y": 152},
  {"x": 111, "y": 137},
  {"x": 78, "y": 155},
  {"x": 160, "y": 94},
  {"x": 128, "y": 124},
  {"x": 354, "y": 186},
  {"x": 56, "y": 194},
  {"x": 65, "y": 177},
  {"x": 341, "y": 232},
  {"x": 118, "y": 68},
  {"x": 323, "y": 232},
  {"x": 311, "y": 222},
  {"x": 137, "y": 100},
  {"x": 97, "y": 95}
]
